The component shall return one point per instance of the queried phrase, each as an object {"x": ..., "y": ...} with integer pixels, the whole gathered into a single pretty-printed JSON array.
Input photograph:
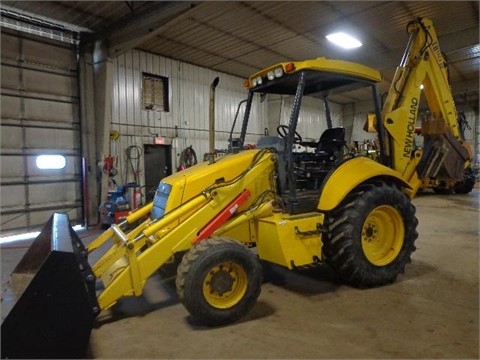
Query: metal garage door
[{"x": 39, "y": 116}]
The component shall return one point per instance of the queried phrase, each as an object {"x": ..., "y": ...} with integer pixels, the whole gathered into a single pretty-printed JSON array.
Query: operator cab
[
  {"x": 313, "y": 160},
  {"x": 299, "y": 93}
]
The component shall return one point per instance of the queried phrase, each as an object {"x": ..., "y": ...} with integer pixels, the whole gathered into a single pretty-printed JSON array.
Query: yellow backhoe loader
[{"x": 273, "y": 204}]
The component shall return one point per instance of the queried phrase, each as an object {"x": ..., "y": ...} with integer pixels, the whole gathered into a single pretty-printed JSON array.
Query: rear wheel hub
[{"x": 382, "y": 235}]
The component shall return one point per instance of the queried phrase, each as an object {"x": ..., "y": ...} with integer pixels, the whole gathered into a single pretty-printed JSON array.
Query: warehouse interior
[{"x": 122, "y": 94}]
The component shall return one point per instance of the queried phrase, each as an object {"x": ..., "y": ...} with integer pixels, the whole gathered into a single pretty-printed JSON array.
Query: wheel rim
[
  {"x": 225, "y": 285},
  {"x": 383, "y": 235}
]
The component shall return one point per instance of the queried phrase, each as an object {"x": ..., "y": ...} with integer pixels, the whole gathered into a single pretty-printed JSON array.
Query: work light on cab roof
[{"x": 276, "y": 73}]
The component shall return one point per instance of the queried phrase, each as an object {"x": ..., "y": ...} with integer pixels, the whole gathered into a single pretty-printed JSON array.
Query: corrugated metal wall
[
  {"x": 471, "y": 129},
  {"x": 187, "y": 121},
  {"x": 39, "y": 115}
]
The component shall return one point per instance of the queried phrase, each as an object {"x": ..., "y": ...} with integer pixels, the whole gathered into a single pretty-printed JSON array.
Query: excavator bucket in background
[{"x": 54, "y": 315}]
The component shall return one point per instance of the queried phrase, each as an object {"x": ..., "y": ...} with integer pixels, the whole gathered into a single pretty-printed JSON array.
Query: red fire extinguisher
[{"x": 137, "y": 198}]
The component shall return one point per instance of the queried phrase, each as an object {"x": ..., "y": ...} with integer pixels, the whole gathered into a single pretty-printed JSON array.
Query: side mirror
[{"x": 370, "y": 123}]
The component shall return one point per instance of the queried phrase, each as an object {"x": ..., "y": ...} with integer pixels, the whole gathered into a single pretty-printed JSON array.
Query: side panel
[
  {"x": 290, "y": 241},
  {"x": 197, "y": 178},
  {"x": 350, "y": 174}
]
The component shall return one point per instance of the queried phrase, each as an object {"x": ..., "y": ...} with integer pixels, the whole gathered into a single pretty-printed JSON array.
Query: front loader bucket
[{"x": 54, "y": 315}]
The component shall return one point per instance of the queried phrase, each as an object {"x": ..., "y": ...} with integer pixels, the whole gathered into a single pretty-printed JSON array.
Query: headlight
[
  {"x": 270, "y": 75},
  {"x": 257, "y": 81},
  {"x": 278, "y": 72}
]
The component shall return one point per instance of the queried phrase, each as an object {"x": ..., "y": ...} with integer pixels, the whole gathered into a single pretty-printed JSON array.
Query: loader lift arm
[{"x": 135, "y": 256}]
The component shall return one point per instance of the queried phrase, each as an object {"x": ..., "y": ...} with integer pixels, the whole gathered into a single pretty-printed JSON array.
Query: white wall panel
[
  {"x": 53, "y": 111},
  {"x": 52, "y": 193},
  {"x": 49, "y": 83},
  {"x": 470, "y": 128},
  {"x": 9, "y": 46},
  {"x": 11, "y": 137},
  {"x": 12, "y": 168},
  {"x": 57, "y": 139},
  {"x": 45, "y": 53},
  {"x": 13, "y": 196},
  {"x": 470, "y": 134},
  {"x": 187, "y": 121},
  {"x": 10, "y": 77},
  {"x": 10, "y": 107}
]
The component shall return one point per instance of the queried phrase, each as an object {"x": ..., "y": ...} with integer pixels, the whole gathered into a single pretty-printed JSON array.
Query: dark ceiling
[{"x": 241, "y": 37}]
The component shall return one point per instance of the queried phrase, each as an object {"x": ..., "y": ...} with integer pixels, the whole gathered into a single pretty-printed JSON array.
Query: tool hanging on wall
[
  {"x": 188, "y": 157},
  {"x": 109, "y": 168},
  {"x": 110, "y": 161}
]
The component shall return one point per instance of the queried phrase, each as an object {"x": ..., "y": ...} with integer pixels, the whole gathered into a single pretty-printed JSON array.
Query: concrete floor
[{"x": 432, "y": 311}]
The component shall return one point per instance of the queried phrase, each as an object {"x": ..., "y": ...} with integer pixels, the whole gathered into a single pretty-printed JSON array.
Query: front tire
[
  {"x": 371, "y": 235},
  {"x": 219, "y": 281}
]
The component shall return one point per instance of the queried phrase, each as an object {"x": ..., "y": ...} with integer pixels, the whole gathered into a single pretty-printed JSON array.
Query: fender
[{"x": 348, "y": 175}]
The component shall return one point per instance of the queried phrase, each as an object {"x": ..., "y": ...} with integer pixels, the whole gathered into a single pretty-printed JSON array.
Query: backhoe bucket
[{"x": 54, "y": 315}]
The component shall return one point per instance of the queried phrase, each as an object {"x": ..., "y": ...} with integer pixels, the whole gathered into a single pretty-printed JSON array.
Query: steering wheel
[{"x": 282, "y": 131}]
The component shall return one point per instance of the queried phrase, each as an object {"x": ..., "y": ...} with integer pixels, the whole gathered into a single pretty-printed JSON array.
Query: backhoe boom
[{"x": 423, "y": 72}]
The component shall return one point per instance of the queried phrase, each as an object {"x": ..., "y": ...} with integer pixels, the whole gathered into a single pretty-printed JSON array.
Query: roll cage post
[
  {"x": 246, "y": 117},
  {"x": 292, "y": 126}
]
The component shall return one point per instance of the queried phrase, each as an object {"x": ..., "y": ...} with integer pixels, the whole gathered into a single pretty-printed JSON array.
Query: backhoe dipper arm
[{"x": 422, "y": 65}]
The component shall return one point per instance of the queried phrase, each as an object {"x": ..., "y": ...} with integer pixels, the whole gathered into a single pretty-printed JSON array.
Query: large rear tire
[
  {"x": 219, "y": 281},
  {"x": 371, "y": 235}
]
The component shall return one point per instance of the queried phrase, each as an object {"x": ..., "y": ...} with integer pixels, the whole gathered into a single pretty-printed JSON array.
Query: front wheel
[
  {"x": 219, "y": 281},
  {"x": 371, "y": 235}
]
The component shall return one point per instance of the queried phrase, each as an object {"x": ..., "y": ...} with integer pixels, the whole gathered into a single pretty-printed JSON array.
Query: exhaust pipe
[
  {"x": 211, "y": 130},
  {"x": 54, "y": 315}
]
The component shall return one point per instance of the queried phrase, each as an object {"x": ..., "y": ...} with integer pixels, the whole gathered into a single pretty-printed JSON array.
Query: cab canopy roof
[{"x": 323, "y": 76}]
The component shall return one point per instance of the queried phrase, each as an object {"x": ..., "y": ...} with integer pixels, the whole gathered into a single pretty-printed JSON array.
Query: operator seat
[{"x": 331, "y": 143}]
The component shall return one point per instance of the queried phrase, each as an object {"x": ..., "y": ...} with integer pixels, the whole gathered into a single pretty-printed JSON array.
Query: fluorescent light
[
  {"x": 50, "y": 162},
  {"x": 344, "y": 40}
]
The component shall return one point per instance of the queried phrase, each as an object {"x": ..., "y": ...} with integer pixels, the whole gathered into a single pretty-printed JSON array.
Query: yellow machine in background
[{"x": 273, "y": 204}]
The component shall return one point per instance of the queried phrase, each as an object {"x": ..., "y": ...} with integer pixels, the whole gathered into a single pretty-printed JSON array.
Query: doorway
[{"x": 157, "y": 165}]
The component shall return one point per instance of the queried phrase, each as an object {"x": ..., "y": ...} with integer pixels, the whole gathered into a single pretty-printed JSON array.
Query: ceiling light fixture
[{"x": 344, "y": 40}]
